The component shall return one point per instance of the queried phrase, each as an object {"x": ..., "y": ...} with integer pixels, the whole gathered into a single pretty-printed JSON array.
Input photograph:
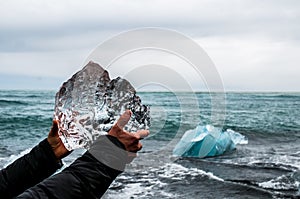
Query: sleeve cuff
[{"x": 109, "y": 151}]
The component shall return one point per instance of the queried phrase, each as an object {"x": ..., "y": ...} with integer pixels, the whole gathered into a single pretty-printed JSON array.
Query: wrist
[{"x": 50, "y": 153}]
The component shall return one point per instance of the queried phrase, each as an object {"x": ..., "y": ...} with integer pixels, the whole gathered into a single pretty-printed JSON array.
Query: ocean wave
[
  {"x": 275, "y": 165},
  {"x": 39, "y": 120},
  {"x": 279, "y": 161},
  {"x": 154, "y": 181},
  {"x": 178, "y": 172},
  {"x": 136, "y": 189},
  {"x": 281, "y": 183},
  {"x": 11, "y": 102},
  {"x": 5, "y": 161},
  {"x": 287, "y": 95},
  {"x": 271, "y": 95}
]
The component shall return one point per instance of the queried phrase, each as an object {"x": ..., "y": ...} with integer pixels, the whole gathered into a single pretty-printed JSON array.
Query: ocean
[{"x": 267, "y": 167}]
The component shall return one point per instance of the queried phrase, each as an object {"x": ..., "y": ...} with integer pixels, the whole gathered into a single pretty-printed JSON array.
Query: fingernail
[{"x": 128, "y": 112}]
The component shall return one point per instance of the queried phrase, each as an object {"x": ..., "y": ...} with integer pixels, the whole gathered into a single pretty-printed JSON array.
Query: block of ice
[
  {"x": 207, "y": 141},
  {"x": 89, "y": 103}
]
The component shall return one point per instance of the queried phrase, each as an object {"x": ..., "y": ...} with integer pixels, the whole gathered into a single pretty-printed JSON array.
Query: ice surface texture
[
  {"x": 207, "y": 141},
  {"x": 89, "y": 103}
]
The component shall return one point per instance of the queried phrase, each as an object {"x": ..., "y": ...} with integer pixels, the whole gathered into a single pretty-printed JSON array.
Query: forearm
[
  {"x": 88, "y": 177},
  {"x": 28, "y": 170}
]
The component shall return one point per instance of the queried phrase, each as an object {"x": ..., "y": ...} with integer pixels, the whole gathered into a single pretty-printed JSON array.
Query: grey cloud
[
  {"x": 19, "y": 32},
  {"x": 58, "y": 33}
]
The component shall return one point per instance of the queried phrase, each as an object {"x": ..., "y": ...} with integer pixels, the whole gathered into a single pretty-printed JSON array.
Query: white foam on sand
[
  {"x": 282, "y": 160},
  {"x": 151, "y": 183},
  {"x": 5, "y": 161},
  {"x": 137, "y": 189},
  {"x": 179, "y": 172},
  {"x": 281, "y": 183}
]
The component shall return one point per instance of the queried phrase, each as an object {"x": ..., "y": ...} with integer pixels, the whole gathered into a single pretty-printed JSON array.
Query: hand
[
  {"x": 55, "y": 142},
  {"x": 131, "y": 141}
]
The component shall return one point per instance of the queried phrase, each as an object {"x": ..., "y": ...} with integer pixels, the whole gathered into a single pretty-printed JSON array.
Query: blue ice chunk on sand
[{"x": 207, "y": 141}]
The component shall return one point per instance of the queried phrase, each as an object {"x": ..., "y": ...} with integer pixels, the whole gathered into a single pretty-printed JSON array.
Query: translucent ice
[
  {"x": 207, "y": 141},
  {"x": 89, "y": 103}
]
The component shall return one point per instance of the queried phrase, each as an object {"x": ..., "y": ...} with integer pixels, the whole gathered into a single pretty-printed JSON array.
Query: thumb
[{"x": 124, "y": 118}]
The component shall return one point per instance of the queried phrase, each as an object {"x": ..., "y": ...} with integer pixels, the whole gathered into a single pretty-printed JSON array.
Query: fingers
[
  {"x": 54, "y": 128},
  {"x": 124, "y": 118},
  {"x": 131, "y": 141},
  {"x": 134, "y": 147},
  {"x": 142, "y": 134}
]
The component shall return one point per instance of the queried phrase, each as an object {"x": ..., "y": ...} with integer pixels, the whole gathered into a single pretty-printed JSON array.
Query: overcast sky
[{"x": 255, "y": 44}]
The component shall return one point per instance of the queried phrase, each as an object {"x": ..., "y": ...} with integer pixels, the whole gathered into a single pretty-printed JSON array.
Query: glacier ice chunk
[
  {"x": 89, "y": 103},
  {"x": 207, "y": 141}
]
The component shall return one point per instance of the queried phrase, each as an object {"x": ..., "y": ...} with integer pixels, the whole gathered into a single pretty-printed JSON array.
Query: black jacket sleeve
[
  {"x": 28, "y": 170},
  {"x": 88, "y": 177}
]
